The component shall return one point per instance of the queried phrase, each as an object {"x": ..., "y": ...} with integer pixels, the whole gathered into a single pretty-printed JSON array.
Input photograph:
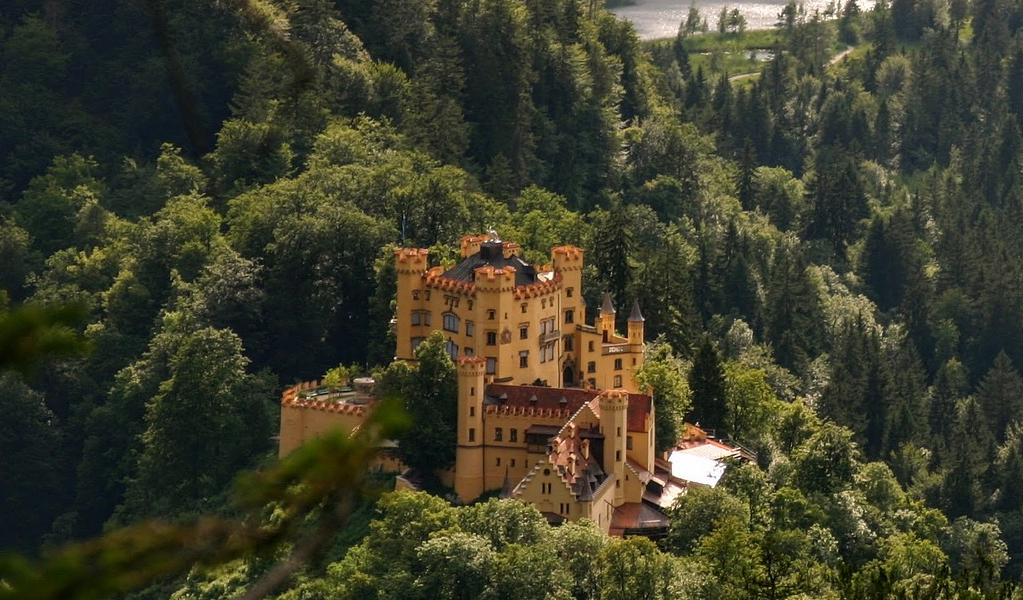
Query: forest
[{"x": 202, "y": 200}]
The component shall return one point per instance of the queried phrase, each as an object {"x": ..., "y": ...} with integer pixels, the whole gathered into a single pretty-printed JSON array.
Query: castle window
[
  {"x": 472, "y": 409},
  {"x": 491, "y": 338},
  {"x": 618, "y": 456},
  {"x": 569, "y": 316},
  {"x": 452, "y": 349},
  {"x": 525, "y": 306},
  {"x": 618, "y": 381},
  {"x": 524, "y": 359},
  {"x": 470, "y": 328},
  {"x": 472, "y": 392},
  {"x": 543, "y": 327},
  {"x": 416, "y": 341},
  {"x": 491, "y": 365},
  {"x": 513, "y": 435},
  {"x": 491, "y": 315},
  {"x": 568, "y": 292},
  {"x": 451, "y": 322},
  {"x": 543, "y": 303},
  {"x": 618, "y": 364},
  {"x": 416, "y": 319},
  {"x": 568, "y": 344},
  {"x": 469, "y": 352},
  {"x": 523, "y": 332},
  {"x": 591, "y": 367},
  {"x": 591, "y": 346},
  {"x": 628, "y": 442},
  {"x": 415, "y": 294},
  {"x": 618, "y": 432},
  {"x": 472, "y": 435},
  {"x": 469, "y": 304},
  {"x": 513, "y": 462},
  {"x": 426, "y": 317},
  {"x": 498, "y": 434},
  {"x": 498, "y": 463}
]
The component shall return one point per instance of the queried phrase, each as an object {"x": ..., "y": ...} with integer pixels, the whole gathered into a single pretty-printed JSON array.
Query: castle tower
[
  {"x": 636, "y": 328},
  {"x": 469, "y": 452},
  {"x": 568, "y": 260},
  {"x": 410, "y": 264},
  {"x": 607, "y": 317},
  {"x": 614, "y": 408}
]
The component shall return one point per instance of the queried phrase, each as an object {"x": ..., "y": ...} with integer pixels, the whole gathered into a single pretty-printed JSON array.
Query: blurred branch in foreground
[{"x": 312, "y": 492}]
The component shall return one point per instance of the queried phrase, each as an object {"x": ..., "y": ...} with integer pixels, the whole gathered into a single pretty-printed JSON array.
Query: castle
[{"x": 549, "y": 410}]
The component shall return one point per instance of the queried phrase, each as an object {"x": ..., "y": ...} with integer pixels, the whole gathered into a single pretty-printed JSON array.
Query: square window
[
  {"x": 491, "y": 315},
  {"x": 591, "y": 346},
  {"x": 618, "y": 381},
  {"x": 470, "y": 328},
  {"x": 498, "y": 434},
  {"x": 568, "y": 344},
  {"x": 491, "y": 365},
  {"x": 524, "y": 359},
  {"x": 568, "y": 292},
  {"x": 415, "y": 294},
  {"x": 569, "y": 316},
  {"x": 513, "y": 435},
  {"x": 525, "y": 306},
  {"x": 491, "y": 338},
  {"x": 523, "y": 332},
  {"x": 618, "y": 364},
  {"x": 416, "y": 317},
  {"x": 591, "y": 367}
]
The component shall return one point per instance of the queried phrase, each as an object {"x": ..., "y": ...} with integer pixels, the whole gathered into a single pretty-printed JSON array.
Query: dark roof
[
  {"x": 607, "y": 308},
  {"x": 548, "y": 398},
  {"x": 492, "y": 254},
  {"x": 636, "y": 316}
]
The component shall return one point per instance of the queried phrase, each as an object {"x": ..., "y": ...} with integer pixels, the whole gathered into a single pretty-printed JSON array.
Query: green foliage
[
  {"x": 662, "y": 374},
  {"x": 428, "y": 390},
  {"x": 313, "y": 491}
]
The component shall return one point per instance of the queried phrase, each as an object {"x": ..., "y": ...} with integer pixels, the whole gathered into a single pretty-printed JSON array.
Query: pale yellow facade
[{"x": 527, "y": 322}]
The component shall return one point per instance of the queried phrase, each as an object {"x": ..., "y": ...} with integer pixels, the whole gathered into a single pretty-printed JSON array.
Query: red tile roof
[{"x": 549, "y": 399}]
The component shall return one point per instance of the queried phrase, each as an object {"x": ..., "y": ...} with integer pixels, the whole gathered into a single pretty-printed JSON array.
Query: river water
[{"x": 660, "y": 18}]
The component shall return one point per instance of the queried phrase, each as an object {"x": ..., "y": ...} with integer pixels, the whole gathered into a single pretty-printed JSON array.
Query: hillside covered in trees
[{"x": 829, "y": 257}]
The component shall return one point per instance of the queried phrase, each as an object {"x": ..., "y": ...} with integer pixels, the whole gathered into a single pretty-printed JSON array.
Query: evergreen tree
[
  {"x": 1000, "y": 395},
  {"x": 971, "y": 455},
  {"x": 707, "y": 382}
]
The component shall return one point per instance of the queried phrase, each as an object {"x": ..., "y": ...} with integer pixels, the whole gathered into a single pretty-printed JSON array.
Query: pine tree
[
  {"x": 707, "y": 383},
  {"x": 1000, "y": 395}
]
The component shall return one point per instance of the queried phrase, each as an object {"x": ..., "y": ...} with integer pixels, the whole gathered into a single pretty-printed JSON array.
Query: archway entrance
[{"x": 568, "y": 376}]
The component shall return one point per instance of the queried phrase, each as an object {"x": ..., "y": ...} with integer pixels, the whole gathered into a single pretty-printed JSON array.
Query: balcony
[{"x": 550, "y": 336}]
